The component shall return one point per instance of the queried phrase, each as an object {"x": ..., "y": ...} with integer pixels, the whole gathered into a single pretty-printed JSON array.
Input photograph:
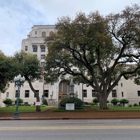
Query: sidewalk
[{"x": 89, "y": 114}]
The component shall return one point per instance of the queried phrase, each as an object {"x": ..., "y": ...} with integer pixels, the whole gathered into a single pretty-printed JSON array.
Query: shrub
[
  {"x": 95, "y": 100},
  {"x": 130, "y": 105},
  {"x": 45, "y": 102},
  {"x": 124, "y": 101},
  {"x": 114, "y": 101},
  {"x": 78, "y": 102},
  {"x": 7, "y": 102},
  {"x": 135, "y": 104},
  {"x": 118, "y": 104},
  {"x": 20, "y": 101}
]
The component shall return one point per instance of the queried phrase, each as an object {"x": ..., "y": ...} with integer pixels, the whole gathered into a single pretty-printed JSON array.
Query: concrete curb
[{"x": 57, "y": 118}]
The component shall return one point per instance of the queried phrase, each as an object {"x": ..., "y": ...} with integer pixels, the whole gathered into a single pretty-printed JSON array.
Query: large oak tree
[{"x": 103, "y": 49}]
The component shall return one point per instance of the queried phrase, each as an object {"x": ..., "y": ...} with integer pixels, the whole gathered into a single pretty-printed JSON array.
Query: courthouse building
[{"x": 34, "y": 43}]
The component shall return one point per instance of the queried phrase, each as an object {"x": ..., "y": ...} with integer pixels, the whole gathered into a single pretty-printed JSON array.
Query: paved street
[{"x": 70, "y": 130}]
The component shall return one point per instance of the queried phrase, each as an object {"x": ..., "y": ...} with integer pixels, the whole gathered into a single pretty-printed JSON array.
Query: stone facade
[{"x": 34, "y": 43}]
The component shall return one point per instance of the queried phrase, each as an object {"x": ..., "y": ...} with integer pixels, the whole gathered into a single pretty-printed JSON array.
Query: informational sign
[
  {"x": 37, "y": 103},
  {"x": 70, "y": 106}
]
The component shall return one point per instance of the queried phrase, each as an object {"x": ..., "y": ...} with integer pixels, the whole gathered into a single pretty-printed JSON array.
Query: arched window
[
  {"x": 43, "y": 34},
  {"x": 64, "y": 89},
  {"x": 64, "y": 86},
  {"x": 51, "y": 33}
]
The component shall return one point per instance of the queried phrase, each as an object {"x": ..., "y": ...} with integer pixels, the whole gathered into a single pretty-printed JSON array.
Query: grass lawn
[
  {"x": 22, "y": 109},
  {"x": 119, "y": 108}
]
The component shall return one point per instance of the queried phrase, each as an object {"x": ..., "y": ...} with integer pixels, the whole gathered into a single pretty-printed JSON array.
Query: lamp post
[
  {"x": 42, "y": 99},
  {"x": 82, "y": 93},
  {"x": 18, "y": 82}
]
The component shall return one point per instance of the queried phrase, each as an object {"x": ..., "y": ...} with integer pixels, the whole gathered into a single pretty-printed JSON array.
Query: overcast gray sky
[{"x": 18, "y": 16}]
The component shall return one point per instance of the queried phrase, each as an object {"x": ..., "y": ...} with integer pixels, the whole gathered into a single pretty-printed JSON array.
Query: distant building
[{"x": 34, "y": 44}]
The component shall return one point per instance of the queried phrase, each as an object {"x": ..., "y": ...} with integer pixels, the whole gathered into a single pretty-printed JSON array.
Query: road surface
[{"x": 70, "y": 130}]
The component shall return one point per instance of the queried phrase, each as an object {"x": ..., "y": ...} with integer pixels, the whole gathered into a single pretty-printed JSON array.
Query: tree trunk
[
  {"x": 38, "y": 109},
  {"x": 103, "y": 101}
]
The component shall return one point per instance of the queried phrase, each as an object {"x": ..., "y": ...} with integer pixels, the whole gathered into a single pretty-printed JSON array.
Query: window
[
  {"x": 74, "y": 70},
  {"x": 43, "y": 34},
  {"x": 64, "y": 87},
  {"x": 94, "y": 93},
  {"x": 122, "y": 94},
  {"x": 7, "y": 94},
  {"x": 42, "y": 56},
  {"x": 114, "y": 93},
  {"x": 26, "y": 48},
  {"x": 42, "y": 48},
  {"x": 37, "y": 92},
  {"x": 26, "y": 103},
  {"x": 8, "y": 85},
  {"x": 138, "y": 92},
  {"x": 42, "y": 64},
  {"x": 16, "y": 94},
  {"x": 26, "y": 93},
  {"x": 84, "y": 93},
  {"x": 35, "y": 32},
  {"x": 46, "y": 93},
  {"x": 121, "y": 84},
  {"x": 34, "y": 48},
  {"x": 51, "y": 33}
]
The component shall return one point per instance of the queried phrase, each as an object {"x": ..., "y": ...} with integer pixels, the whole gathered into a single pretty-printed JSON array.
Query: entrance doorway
[{"x": 64, "y": 87}]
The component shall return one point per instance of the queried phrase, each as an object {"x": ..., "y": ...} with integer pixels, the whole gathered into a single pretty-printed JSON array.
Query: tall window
[
  {"x": 8, "y": 85},
  {"x": 43, "y": 34},
  {"x": 138, "y": 92},
  {"x": 16, "y": 94},
  {"x": 94, "y": 93},
  {"x": 84, "y": 93},
  {"x": 64, "y": 87},
  {"x": 51, "y": 33},
  {"x": 114, "y": 93},
  {"x": 26, "y": 93},
  {"x": 26, "y": 48},
  {"x": 46, "y": 93},
  {"x": 122, "y": 94},
  {"x": 42, "y": 48},
  {"x": 35, "y": 32},
  {"x": 42, "y": 56},
  {"x": 34, "y": 48},
  {"x": 37, "y": 91},
  {"x": 7, "y": 94},
  {"x": 121, "y": 84}
]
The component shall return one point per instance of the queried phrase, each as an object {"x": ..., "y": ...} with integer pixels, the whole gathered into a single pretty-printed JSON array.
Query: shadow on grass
[
  {"x": 12, "y": 109},
  {"x": 117, "y": 108}
]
